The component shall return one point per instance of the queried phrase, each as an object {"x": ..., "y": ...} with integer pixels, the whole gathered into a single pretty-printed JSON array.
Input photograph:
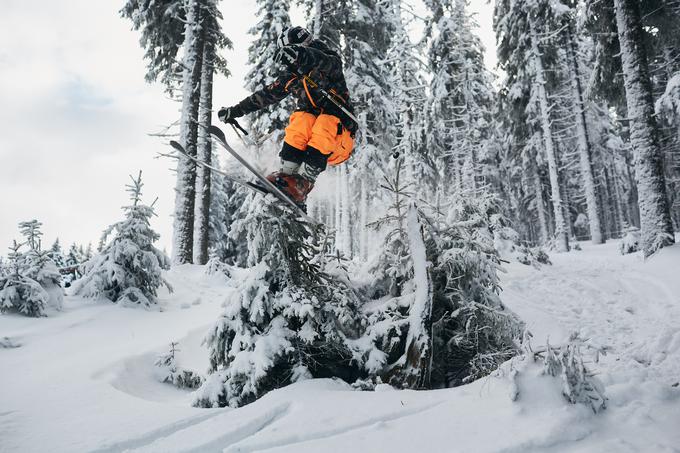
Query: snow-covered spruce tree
[
  {"x": 408, "y": 93},
  {"x": 273, "y": 19},
  {"x": 168, "y": 26},
  {"x": 38, "y": 265},
  {"x": 367, "y": 34},
  {"x": 523, "y": 30},
  {"x": 215, "y": 40},
  {"x": 285, "y": 318},
  {"x": 57, "y": 254},
  {"x": 656, "y": 225},
  {"x": 185, "y": 188},
  {"x": 161, "y": 23},
  {"x": 473, "y": 332},
  {"x": 128, "y": 268},
  {"x": 624, "y": 43},
  {"x": 461, "y": 97},
  {"x": 227, "y": 197},
  {"x": 19, "y": 293},
  {"x": 583, "y": 132},
  {"x": 439, "y": 324}
]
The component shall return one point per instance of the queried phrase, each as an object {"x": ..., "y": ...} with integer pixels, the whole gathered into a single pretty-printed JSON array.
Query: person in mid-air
[{"x": 319, "y": 132}]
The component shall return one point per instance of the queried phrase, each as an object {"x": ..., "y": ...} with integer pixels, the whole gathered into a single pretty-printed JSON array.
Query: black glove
[
  {"x": 226, "y": 114},
  {"x": 289, "y": 56}
]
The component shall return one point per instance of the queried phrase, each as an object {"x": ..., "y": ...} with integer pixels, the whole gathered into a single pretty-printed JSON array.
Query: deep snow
[{"x": 82, "y": 380}]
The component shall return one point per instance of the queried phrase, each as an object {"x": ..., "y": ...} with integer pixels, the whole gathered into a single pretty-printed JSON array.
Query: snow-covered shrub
[
  {"x": 532, "y": 256},
  {"x": 579, "y": 386},
  {"x": 510, "y": 247},
  {"x": 630, "y": 243},
  {"x": 285, "y": 319},
  {"x": 215, "y": 266},
  {"x": 168, "y": 371},
  {"x": 128, "y": 269},
  {"x": 19, "y": 293}
]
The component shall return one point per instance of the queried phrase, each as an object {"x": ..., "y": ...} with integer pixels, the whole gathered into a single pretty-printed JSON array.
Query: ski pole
[{"x": 235, "y": 124}]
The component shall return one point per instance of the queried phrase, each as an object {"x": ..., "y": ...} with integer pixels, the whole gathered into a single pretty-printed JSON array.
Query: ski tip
[
  {"x": 216, "y": 131},
  {"x": 176, "y": 145}
]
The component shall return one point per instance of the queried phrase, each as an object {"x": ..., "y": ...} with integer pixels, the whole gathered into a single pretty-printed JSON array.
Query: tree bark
[
  {"x": 204, "y": 182},
  {"x": 185, "y": 191},
  {"x": 655, "y": 217},
  {"x": 561, "y": 233},
  {"x": 538, "y": 200}
]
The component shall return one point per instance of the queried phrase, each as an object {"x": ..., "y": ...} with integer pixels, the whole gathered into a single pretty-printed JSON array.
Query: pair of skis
[{"x": 264, "y": 187}]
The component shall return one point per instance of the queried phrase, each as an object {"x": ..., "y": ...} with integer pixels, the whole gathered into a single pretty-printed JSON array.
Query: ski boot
[{"x": 295, "y": 186}]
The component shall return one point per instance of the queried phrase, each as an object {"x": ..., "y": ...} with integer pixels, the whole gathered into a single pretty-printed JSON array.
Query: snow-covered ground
[{"x": 82, "y": 380}]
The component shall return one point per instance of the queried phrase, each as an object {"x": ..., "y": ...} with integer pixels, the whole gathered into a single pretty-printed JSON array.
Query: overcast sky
[{"x": 75, "y": 114}]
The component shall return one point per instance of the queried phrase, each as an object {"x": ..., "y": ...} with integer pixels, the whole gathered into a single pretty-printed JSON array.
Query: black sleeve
[{"x": 271, "y": 94}]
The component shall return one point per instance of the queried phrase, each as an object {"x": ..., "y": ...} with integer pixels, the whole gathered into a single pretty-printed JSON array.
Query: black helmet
[{"x": 294, "y": 35}]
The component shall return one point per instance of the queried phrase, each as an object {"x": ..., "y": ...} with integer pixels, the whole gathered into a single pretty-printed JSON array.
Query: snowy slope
[{"x": 82, "y": 380}]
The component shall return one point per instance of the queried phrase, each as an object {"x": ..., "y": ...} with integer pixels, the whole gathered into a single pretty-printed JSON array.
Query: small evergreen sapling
[
  {"x": 400, "y": 327},
  {"x": 38, "y": 264},
  {"x": 128, "y": 269},
  {"x": 19, "y": 293},
  {"x": 168, "y": 371},
  {"x": 57, "y": 254}
]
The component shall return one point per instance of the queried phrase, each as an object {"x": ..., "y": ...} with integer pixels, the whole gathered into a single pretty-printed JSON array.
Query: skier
[{"x": 319, "y": 132}]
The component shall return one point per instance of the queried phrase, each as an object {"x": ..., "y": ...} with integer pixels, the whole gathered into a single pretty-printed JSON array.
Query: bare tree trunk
[
  {"x": 560, "y": 225},
  {"x": 347, "y": 214},
  {"x": 655, "y": 217},
  {"x": 185, "y": 191},
  {"x": 339, "y": 236},
  {"x": 538, "y": 200},
  {"x": 203, "y": 183},
  {"x": 585, "y": 152},
  {"x": 363, "y": 231}
]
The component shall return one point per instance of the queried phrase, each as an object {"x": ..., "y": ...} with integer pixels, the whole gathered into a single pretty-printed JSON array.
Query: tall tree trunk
[
  {"x": 204, "y": 182},
  {"x": 538, "y": 199},
  {"x": 612, "y": 202},
  {"x": 363, "y": 221},
  {"x": 560, "y": 225},
  {"x": 339, "y": 246},
  {"x": 185, "y": 190},
  {"x": 346, "y": 214},
  {"x": 622, "y": 214},
  {"x": 655, "y": 217},
  {"x": 585, "y": 152}
]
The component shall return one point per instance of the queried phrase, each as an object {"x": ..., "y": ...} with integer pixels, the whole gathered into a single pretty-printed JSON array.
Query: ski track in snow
[
  {"x": 291, "y": 441},
  {"x": 146, "y": 439}
]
